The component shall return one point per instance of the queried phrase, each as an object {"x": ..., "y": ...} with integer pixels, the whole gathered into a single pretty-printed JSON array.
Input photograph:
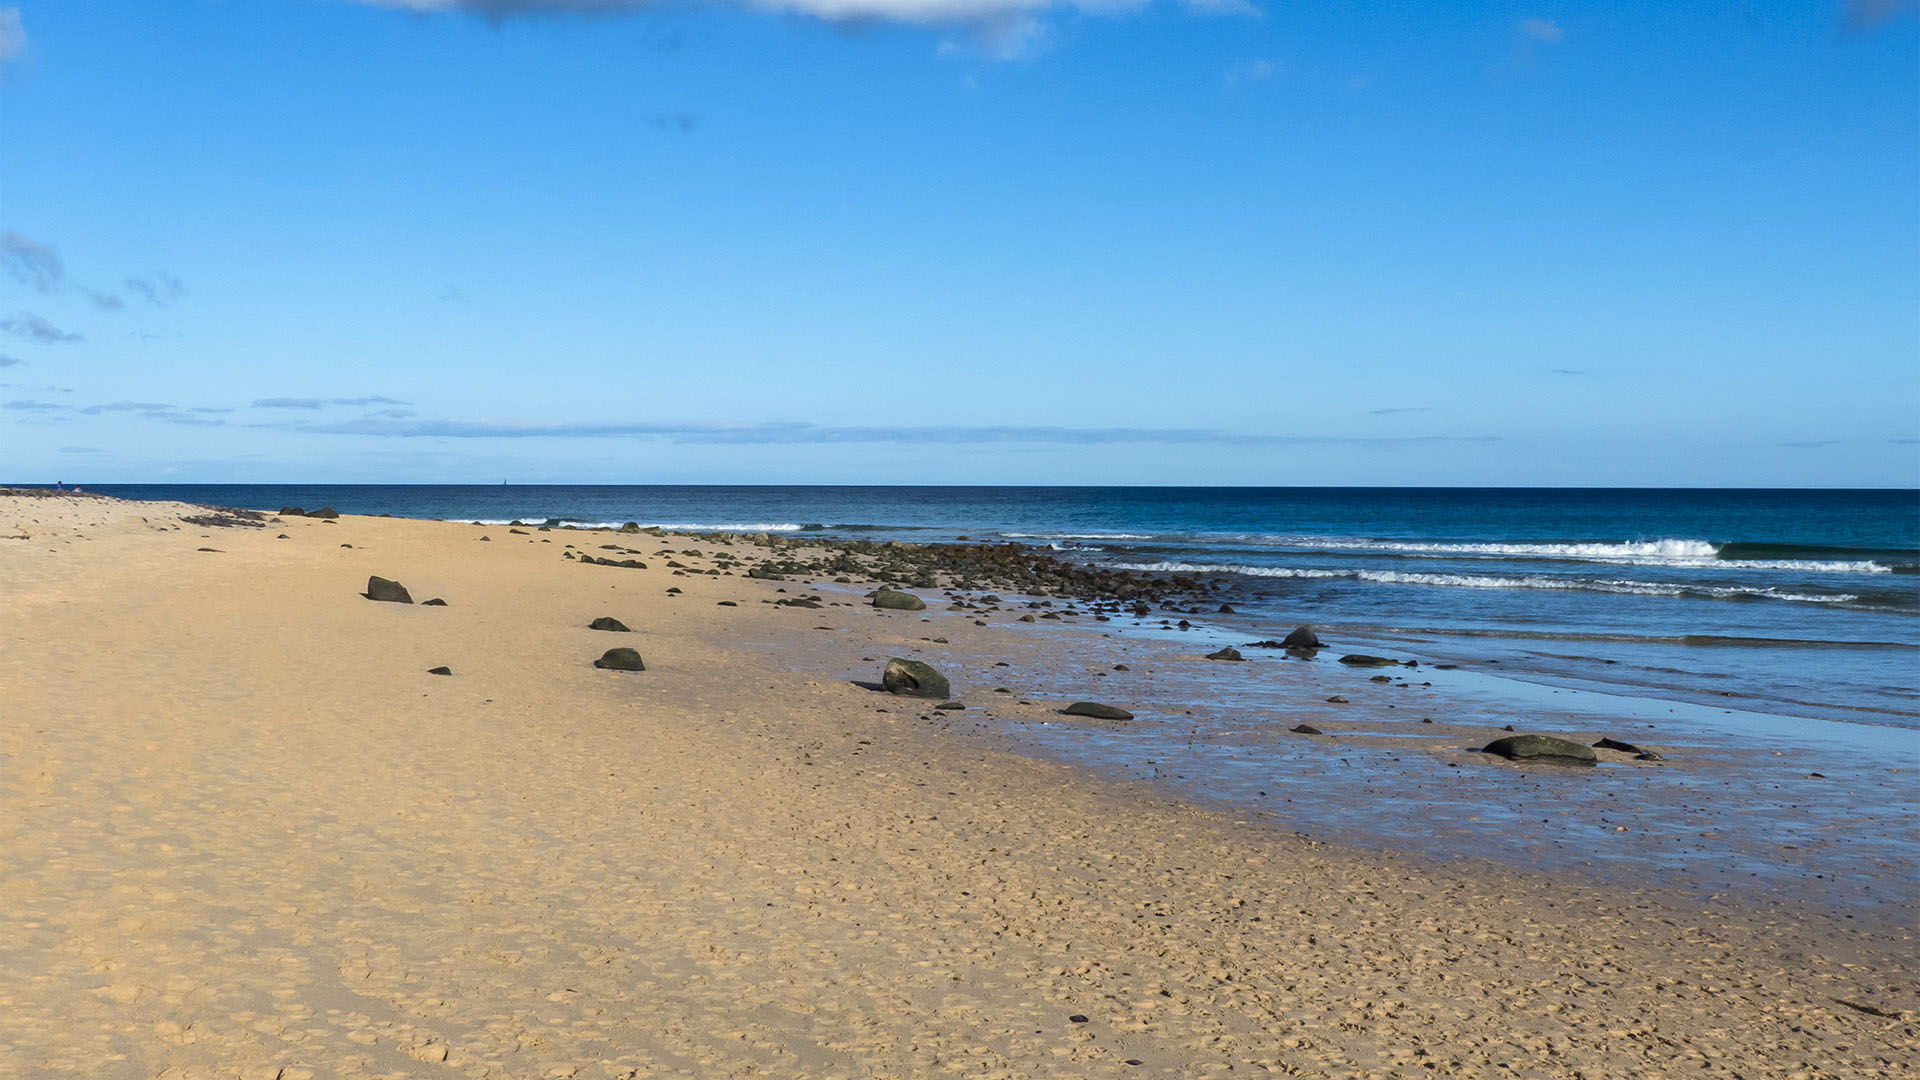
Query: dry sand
[{"x": 244, "y": 833}]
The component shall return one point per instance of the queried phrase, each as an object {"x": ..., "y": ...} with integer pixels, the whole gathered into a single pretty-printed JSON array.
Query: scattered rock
[
  {"x": 898, "y": 601},
  {"x": 379, "y": 588},
  {"x": 1302, "y": 637},
  {"x": 610, "y": 624},
  {"x": 435, "y": 602},
  {"x": 725, "y": 603},
  {"x": 292, "y": 511},
  {"x": 1096, "y": 710},
  {"x": 439, "y": 671},
  {"x": 1305, "y": 729},
  {"x": 914, "y": 679},
  {"x": 1228, "y": 653},
  {"x": 324, "y": 512},
  {"x": 1381, "y": 678},
  {"x": 1227, "y": 609},
  {"x": 1546, "y": 748},
  {"x": 950, "y": 706},
  {"x": 1627, "y": 748},
  {"x": 1121, "y": 667},
  {"x": 1026, "y": 618},
  {"x": 622, "y": 659},
  {"x": 1363, "y": 660},
  {"x": 1336, "y": 700}
]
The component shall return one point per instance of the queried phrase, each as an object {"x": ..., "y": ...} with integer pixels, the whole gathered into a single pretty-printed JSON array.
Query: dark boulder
[
  {"x": 898, "y": 601},
  {"x": 620, "y": 660},
  {"x": 292, "y": 511},
  {"x": 379, "y": 588},
  {"x": 1363, "y": 660},
  {"x": 1547, "y": 748},
  {"x": 1228, "y": 653},
  {"x": 324, "y": 512},
  {"x": 605, "y": 623},
  {"x": 1096, "y": 710},
  {"x": 1305, "y": 729},
  {"x": 914, "y": 679},
  {"x": 1302, "y": 637}
]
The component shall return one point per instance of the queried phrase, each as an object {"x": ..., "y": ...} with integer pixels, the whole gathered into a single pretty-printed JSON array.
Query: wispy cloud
[
  {"x": 321, "y": 403},
  {"x": 32, "y": 327},
  {"x": 1403, "y": 409},
  {"x": 30, "y": 406},
  {"x": 1810, "y": 444},
  {"x": 13, "y": 36},
  {"x": 9, "y": 361},
  {"x": 31, "y": 262},
  {"x": 158, "y": 410},
  {"x": 679, "y": 123},
  {"x": 1543, "y": 30},
  {"x": 785, "y": 432},
  {"x": 1006, "y": 29},
  {"x": 1250, "y": 71},
  {"x": 161, "y": 290},
  {"x": 1861, "y": 15}
]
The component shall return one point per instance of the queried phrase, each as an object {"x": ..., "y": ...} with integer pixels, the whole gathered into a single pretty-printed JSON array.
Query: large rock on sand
[
  {"x": 607, "y": 623},
  {"x": 1302, "y": 637},
  {"x": 1096, "y": 710},
  {"x": 1547, "y": 748},
  {"x": 379, "y": 588},
  {"x": 620, "y": 660},
  {"x": 914, "y": 679},
  {"x": 898, "y": 601},
  {"x": 1363, "y": 660},
  {"x": 1228, "y": 653}
]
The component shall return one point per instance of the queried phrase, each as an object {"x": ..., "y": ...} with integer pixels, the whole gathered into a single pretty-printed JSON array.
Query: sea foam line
[{"x": 1475, "y": 581}]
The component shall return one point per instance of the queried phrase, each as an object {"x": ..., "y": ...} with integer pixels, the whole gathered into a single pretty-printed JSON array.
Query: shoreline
[{"x": 735, "y": 859}]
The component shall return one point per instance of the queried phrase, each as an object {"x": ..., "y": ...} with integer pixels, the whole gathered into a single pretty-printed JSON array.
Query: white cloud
[
  {"x": 13, "y": 36},
  {"x": 1006, "y": 29},
  {"x": 1251, "y": 71},
  {"x": 1543, "y": 30}
]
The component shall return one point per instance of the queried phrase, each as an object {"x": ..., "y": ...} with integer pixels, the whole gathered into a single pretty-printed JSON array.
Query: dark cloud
[
  {"x": 32, "y": 263},
  {"x": 161, "y": 290},
  {"x": 36, "y": 329},
  {"x": 321, "y": 403}
]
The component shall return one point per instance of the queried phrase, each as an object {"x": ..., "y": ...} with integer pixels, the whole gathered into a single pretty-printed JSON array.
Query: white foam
[
  {"x": 1077, "y": 536},
  {"x": 1484, "y": 581}
]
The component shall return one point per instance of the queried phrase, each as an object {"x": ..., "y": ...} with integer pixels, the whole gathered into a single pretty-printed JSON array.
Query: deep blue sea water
[{"x": 1795, "y": 602}]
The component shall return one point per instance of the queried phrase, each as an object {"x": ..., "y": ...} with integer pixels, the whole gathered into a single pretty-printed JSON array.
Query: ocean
[{"x": 1799, "y": 603}]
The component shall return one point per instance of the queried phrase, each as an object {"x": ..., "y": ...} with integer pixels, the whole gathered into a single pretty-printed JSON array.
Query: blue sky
[{"x": 960, "y": 241}]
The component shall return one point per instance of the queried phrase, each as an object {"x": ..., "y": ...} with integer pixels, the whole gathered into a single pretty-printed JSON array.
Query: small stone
[
  {"x": 914, "y": 679},
  {"x": 1548, "y": 748},
  {"x": 1096, "y": 710},
  {"x": 1363, "y": 660},
  {"x": 439, "y": 671},
  {"x": 435, "y": 602},
  {"x": 1305, "y": 729},
  {"x": 622, "y": 659},
  {"x": 379, "y": 588},
  {"x": 1336, "y": 700},
  {"x": 898, "y": 601},
  {"x": 611, "y": 625}
]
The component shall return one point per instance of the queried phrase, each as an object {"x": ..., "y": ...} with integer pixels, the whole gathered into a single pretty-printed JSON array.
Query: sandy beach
[{"x": 245, "y": 833}]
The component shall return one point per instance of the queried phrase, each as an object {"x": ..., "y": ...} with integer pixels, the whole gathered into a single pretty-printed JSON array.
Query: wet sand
[{"x": 244, "y": 833}]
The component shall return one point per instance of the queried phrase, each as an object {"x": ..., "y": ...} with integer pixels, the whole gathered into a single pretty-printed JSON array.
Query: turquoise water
[{"x": 1794, "y": 602}]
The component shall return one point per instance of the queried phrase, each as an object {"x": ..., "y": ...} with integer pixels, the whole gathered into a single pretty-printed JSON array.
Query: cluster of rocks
[{"x": 325, "y": 512}]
